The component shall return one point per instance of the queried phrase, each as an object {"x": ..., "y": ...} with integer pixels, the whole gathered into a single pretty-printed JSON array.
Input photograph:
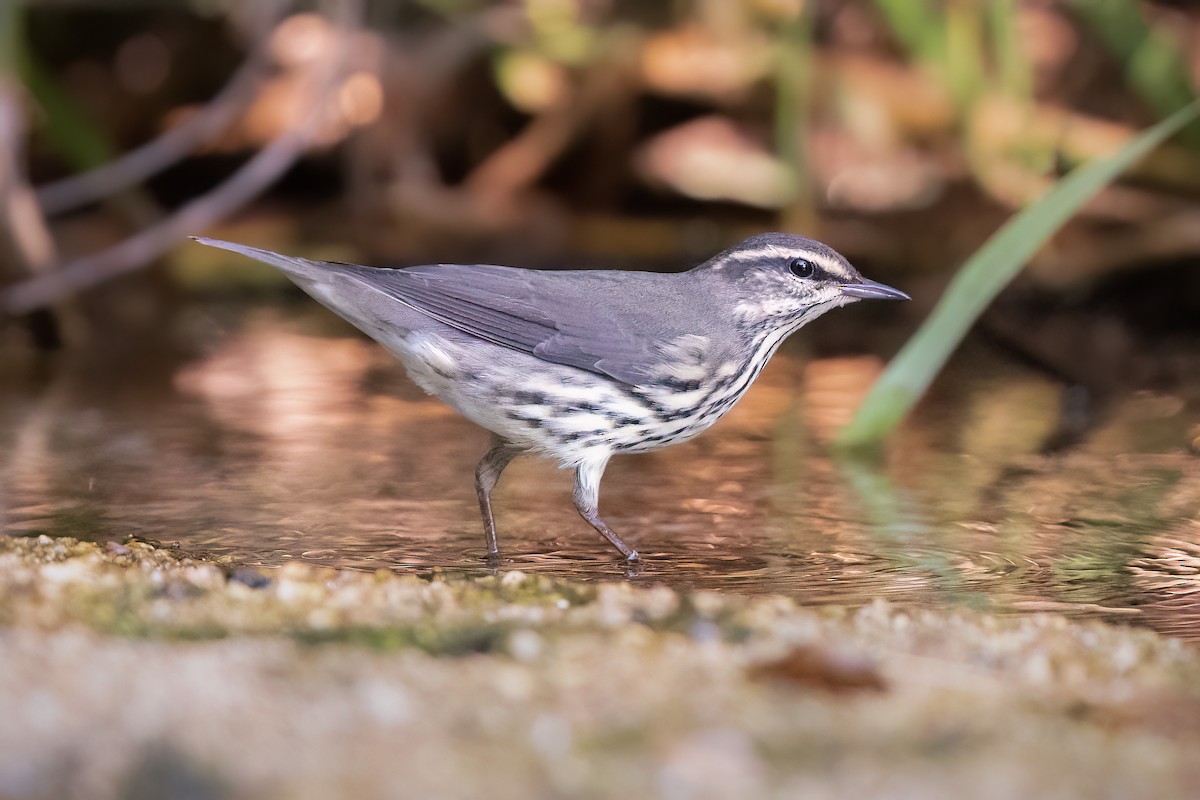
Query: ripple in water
[{"x": 283, "y": 444}]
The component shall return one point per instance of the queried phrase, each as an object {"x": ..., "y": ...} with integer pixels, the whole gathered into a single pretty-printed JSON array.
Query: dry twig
[
  {"x": 258, "y": 173},
  {"x": 25, "y": 241},
  {"x": 177, "y": 143}
]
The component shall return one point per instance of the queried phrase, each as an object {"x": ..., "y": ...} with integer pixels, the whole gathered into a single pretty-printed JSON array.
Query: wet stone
[{"x": 248, "y": 576}]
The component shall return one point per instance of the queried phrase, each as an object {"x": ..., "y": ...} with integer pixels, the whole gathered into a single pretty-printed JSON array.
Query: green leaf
[{"x": 979, "y": 280}]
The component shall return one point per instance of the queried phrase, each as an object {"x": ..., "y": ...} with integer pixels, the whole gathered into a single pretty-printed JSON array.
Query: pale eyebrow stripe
[
  {"x": 754, "y": 255},
  {"x": 829, "y": 265}
]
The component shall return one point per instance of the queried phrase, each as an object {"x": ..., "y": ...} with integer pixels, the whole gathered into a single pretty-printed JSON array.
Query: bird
[{"x": 582, "y": 365}]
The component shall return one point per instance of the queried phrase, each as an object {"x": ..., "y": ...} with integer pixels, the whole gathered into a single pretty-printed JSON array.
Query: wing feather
[
  {"x": 604, "y": 322},
  {"x": 618, "y": 324}
]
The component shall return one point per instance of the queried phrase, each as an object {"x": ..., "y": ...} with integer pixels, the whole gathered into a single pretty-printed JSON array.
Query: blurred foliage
[
  {"x": 902, "y": 132},
  {"x": 74, "y": 135},
  {"x": 876, "y": 102},
  {"x": 794, "y": 65},
  {"x": 1154, "y": 64},
  {"x": 974, "y": 48},
  {"x": 982, "y": 278},
  {"x": 9, "y": 37}
]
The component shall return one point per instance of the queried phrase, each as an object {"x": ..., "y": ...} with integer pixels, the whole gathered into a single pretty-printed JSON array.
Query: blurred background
[
  {"x": 587, "y": 133},
  {"x": 154, "y": 387}
]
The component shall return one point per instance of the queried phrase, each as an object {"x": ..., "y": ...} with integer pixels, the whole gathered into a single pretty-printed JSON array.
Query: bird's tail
[
  {"x": 298, "y": 269},
  {"x": 343, "y": 288}
]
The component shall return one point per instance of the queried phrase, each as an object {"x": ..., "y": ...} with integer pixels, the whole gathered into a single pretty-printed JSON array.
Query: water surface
[{"x": 282, "y": 435}]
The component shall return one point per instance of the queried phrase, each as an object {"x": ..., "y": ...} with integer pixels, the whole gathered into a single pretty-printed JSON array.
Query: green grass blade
[
  {"x": 919, "y": 27},
  {"x": 979, "y": 280},
  {"x": 1012, "y": 64}
]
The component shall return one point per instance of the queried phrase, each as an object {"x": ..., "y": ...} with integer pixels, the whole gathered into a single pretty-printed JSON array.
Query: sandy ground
[{"x": 128, "y": 671}]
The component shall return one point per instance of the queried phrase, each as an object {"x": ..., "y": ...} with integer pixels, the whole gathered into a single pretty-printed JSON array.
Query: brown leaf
[{"x": 829, "y": 669}]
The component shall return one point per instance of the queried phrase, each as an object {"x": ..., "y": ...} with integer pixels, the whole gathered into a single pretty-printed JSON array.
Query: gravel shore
[{"x": 131, "y": 671}]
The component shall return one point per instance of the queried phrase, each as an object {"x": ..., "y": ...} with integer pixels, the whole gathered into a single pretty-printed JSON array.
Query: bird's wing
[
  {"x": 610, "y": 323},
  {"x": 625, "y": 325}
]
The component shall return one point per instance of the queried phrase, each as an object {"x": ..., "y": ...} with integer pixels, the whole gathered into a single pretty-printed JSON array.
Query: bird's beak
[{"x": 870, "y": 290}]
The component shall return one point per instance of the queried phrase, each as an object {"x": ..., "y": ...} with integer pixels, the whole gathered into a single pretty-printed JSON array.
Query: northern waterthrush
[{"x": 581, "y": 365}]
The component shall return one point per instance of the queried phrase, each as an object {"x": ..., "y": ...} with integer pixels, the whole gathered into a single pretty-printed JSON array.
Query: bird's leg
[
  {"x": 587, "y": 497},
  {"x": 486, "y": 476}
]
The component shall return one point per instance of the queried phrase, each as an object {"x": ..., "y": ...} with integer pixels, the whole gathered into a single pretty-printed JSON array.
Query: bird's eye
[{"x": 802, "y": 268}]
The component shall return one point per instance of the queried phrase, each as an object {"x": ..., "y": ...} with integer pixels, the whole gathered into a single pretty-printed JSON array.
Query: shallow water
[{"x": 289, "y": 437}]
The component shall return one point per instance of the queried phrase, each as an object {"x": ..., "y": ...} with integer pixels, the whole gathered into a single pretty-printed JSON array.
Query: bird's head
[{"x": 781, "y": 279}]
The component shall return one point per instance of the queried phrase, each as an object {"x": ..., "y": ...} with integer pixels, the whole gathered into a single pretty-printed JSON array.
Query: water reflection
[{"x": 290, "y": 438}]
